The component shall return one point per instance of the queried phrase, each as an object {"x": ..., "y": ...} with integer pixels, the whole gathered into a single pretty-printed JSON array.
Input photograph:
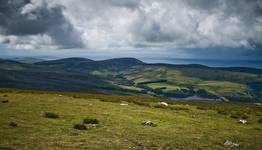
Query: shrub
[
  {"x": 80, "y": 127},
  {"x": 5, "y": 95},
  {"x": 5, "y": 101},
  {"x": 260, "y": 121},
  {"x": 90, "y": 121},
  {"x": 13, "y": 124},
  {"x": 51, "y": 115}
]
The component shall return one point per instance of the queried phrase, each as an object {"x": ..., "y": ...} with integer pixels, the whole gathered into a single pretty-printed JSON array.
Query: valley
[{"x": 132, "y": 76}]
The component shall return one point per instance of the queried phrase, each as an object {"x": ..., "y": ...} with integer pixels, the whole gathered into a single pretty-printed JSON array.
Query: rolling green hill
[{"x": 132, "y": 76}]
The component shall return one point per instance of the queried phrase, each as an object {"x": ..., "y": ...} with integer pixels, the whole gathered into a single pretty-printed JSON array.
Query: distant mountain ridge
[
  {"x": 71, "y": 60},
  {"x": 29, "y": 60}
]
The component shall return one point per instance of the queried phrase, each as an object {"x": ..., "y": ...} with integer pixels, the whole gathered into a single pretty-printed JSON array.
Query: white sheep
[{"x": 164, "y": 104}]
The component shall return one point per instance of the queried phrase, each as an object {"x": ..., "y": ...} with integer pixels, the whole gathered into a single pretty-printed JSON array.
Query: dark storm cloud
[
  {"x": 24, "y": 18},
  {"x": 15, "y": 23},
  {"x": 131, "y": 24}
]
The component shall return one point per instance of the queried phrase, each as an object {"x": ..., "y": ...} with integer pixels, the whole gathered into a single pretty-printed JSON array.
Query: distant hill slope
[
  {"x": 132, "y": 76},
  {"x": 28, "y": 60}
]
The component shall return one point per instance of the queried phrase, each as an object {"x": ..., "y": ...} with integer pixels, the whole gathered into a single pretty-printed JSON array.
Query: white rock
[
  {"x": 242, "y": 121},
  {"x": 164, "y": 104},
  {"x": 230, "y": 144},
  {"x": 124, "y": 104},
  {"x": 148, "y": 123}
]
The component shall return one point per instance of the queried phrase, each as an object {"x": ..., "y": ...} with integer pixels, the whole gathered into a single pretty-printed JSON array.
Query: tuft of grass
[
  {"x": 179, "y": 108},
  {"x": 201, "y": 108},
  {"x": 160, "y": 106},
  {"x": 90, "y": 121},
  {"x": 258, "y": 114},
  {"x": 141, "y": 103},
  {"x": 260, "y": 121},
  {"x": 222, "y": 112},
  {"x": 80, "y": 127},
  {"x": 75, "y": 96},
  {"x": 13, "y": 124},
  {"x": 51, "y": 115}
]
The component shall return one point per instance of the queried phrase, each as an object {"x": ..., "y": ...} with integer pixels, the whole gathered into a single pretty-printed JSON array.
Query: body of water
[
  {"x": 196, "y": 98},
  {"x": 206, "y": 62}
]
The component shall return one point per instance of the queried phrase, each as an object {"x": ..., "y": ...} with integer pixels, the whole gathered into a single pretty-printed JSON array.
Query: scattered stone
[
  {"x": 149, "y": 123},
  {"x": 230, "y": 144},
  {"x": 124, "y": 104},
  {"x": 60, "y": 95},
  {"x": 13, "y": 124},
  {"x": 242, "y": 121},
  {"x": 164, "y": 104}
]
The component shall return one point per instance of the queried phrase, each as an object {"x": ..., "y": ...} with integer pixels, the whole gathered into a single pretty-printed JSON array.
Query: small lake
[{"x": 196, "y": 98}]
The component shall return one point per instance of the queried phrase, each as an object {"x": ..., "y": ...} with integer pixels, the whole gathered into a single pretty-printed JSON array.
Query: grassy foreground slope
[{"x": 179, "y": 126}]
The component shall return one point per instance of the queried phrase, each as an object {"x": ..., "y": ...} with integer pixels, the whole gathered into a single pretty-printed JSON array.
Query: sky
[{"x": 212, "y": 29}]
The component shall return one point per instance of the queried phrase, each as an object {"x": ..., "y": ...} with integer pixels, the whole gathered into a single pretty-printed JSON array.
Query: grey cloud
[
  {"x": 25, "y": 18},
  {"x": 125, "y": 3},
  {"x": 220, "y": 23},
  {"x": 151, "y": 32},
  {"x": 132, "y": 24}
]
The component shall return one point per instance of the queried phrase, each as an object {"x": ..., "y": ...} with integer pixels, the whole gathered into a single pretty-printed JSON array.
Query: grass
[
  {"x": 166, "y": 87},
  {"x": 183, "y": 127}
]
